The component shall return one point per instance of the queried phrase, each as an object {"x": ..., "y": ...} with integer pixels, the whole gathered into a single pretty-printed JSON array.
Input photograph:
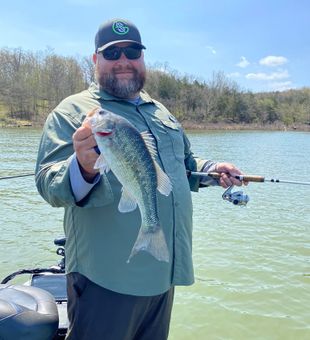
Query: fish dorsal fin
[
  {"x": 127, "y": 202},
  {"x": 150, "y": 143},
  {"x": 164, "y": 185},
  {"x": 101, "y": 164}
]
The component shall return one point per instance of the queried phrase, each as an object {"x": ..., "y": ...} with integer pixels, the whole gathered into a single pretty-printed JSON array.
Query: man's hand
[
  {"x": 227, "y": 171},
  {"x": 84, "y": 143}
]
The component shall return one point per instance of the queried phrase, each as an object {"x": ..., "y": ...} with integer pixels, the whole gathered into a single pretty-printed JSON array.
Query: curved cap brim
[{"x": 100, "y": 49}]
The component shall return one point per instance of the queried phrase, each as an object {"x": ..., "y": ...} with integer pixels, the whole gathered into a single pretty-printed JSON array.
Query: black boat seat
[{"x": 27, "y": 313}]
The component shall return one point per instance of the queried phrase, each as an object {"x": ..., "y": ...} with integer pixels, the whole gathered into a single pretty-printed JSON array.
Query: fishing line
[{"x": 16, "y": 176}]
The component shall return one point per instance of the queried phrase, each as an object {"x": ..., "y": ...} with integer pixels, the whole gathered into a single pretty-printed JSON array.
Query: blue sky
[{"x": 262, "y": 45}]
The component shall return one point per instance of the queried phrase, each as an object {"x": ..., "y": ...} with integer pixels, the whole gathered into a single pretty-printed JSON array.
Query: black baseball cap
[{"x": 115, "y": 31}]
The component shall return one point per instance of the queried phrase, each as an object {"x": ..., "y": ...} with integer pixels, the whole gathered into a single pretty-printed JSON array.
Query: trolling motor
[{"x": 236, "y": 198}]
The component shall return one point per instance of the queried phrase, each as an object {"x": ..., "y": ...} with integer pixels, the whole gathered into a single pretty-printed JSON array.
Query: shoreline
[
  {"x": 196, "y": 126},
  {"x": 187, "y": 125}
]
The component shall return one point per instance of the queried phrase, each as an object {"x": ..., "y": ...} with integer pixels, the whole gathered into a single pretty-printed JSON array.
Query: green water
[{"x": 252, "y": 264}]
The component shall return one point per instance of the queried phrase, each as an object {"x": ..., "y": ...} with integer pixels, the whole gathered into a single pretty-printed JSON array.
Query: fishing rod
[
  {"x": 17, "y": 176},
  {"x": 237, "y": 197},
  {"x": 248, "y": 178}
]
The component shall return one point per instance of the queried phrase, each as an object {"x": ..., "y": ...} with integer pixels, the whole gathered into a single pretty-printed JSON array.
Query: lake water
[{"x": 252, "y": 264}]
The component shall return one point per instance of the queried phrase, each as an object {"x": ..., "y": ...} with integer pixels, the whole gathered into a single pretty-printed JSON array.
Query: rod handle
[{"x": 246, "y": 178}]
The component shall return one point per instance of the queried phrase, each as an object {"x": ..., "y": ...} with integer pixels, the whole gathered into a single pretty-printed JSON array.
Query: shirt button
[{"x": 176, "y": 204}]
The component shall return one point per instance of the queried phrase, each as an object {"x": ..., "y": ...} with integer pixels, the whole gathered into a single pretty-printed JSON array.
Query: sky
[{"x": 262, "y": 45}]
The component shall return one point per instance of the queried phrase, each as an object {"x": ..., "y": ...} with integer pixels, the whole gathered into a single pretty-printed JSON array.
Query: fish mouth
[{"x": 104, "y": 133}]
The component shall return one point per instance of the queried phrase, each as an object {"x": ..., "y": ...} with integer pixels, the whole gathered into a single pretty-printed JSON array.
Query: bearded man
[{"x": 109, "y": 298}]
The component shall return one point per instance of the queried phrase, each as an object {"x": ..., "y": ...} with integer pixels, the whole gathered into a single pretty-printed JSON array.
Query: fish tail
[{"x": 152, "y": 242}]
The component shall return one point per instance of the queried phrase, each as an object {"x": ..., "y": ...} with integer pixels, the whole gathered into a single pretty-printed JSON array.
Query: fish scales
[
  {"x": 131, "y": 157},
  {"x": 134, "y": 168}
]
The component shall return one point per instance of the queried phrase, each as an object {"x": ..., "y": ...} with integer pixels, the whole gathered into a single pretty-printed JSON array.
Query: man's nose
[{"x": 123, "y": 56}]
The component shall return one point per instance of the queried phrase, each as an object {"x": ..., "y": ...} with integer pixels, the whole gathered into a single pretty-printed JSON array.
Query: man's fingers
[
  {"x": 226, "y": 180},
  {"x": 82, "y": 133},
  {"x": 84, "y": 144},
  {"x": 83, "y": 139}
]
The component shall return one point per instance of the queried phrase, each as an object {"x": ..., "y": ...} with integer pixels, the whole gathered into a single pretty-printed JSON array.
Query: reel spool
[{"x": 236, "y": 198}]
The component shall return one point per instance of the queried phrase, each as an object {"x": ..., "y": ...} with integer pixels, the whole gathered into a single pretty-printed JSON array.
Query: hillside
[{"x": 33, "y": 83}]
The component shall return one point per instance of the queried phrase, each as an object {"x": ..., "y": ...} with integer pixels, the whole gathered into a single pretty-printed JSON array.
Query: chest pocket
[{"x": 174, "y": 132}]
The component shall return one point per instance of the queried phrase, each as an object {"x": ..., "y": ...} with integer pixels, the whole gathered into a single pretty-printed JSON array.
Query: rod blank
[{"x": 286, "y": 181}]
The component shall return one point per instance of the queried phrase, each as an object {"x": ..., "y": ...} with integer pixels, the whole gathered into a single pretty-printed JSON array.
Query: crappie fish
[{"x": 130, "y": 155}]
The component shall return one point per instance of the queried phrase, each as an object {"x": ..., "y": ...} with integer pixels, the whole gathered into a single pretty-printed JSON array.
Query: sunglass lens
[
  {"x": 112, "y": 53},
  {"x": 132, "y": 52}
]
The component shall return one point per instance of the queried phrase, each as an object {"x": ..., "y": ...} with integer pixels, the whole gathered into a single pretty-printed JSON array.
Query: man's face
[{"x": 123, "y": 78}]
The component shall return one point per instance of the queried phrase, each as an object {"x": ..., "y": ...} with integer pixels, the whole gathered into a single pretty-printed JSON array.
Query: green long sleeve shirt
[{"x": 99, "y": 237}]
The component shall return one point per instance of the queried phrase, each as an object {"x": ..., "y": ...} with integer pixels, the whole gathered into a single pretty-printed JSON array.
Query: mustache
[{"x": 119, "y": 68}]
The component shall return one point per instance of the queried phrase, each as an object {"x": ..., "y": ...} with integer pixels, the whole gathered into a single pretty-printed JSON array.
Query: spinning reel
[{"x": 236, "y": 198}]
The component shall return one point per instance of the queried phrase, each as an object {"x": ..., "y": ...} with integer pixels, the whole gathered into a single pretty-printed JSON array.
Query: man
[{"x": 109, "y": 298}]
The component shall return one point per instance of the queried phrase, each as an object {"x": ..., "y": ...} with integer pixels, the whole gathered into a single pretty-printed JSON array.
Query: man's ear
[{"x": 95, "y": 58}]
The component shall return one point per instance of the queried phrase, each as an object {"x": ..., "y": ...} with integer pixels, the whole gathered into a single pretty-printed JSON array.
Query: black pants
[{"x": 96, "y": 313}]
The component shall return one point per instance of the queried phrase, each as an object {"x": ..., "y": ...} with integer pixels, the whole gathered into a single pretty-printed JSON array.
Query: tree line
[{"x": 33, "y": 83}]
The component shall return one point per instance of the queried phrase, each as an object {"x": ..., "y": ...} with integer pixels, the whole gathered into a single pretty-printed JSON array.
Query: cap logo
[{"x": 120, "y": 28}]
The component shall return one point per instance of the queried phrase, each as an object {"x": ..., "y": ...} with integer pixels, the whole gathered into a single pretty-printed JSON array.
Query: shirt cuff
[
  {"x": 79, "y": 186},
  {"x": 209, "y": 166}
]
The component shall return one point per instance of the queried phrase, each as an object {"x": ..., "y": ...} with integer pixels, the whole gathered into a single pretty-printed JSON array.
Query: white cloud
[
  {"x": 280, "y": 86},
  {"x": 271, "y": 76},
  {"x": 272, "y": 61},
  {"x": 213, "y": 51},
  {"x": 243, "y": 62}
]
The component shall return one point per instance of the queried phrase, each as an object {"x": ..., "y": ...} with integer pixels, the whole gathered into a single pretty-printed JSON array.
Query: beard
[{"x": 121, "y": 88}]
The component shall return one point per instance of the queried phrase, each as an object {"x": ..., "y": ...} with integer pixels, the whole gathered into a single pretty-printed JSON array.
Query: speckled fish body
[{"x": 130, "y": 155}]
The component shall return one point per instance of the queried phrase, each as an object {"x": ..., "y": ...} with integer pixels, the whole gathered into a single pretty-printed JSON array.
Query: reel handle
[{"x": 246, "y": 178}]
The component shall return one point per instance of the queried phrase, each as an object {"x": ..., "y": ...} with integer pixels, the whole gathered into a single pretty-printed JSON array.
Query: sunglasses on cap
[{"x": 115, "y": 52}]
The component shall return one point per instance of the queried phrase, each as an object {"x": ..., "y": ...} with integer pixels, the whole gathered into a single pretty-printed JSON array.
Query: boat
[{"x": 36, "y": 309}]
